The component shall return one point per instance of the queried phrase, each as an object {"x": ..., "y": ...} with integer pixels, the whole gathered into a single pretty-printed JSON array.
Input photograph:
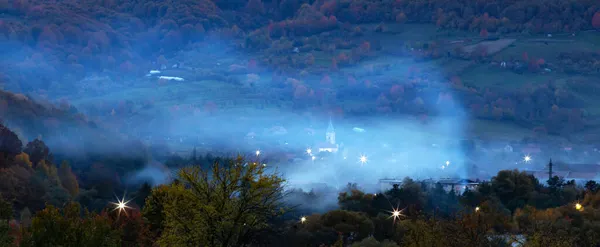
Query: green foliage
[
  {"x": 10, "y": 146},
  {"x": 38, "y": 151},
  {"x": 23, "y": 159},
  {"x": 410, "y": 195},
  {"x": 66, "y": 227},
  {"x": 357, "y": 200},
  {"x": 513, "y": 188},
  {"x": 6, "y": 214},
  {"x": 226, "y": 206},
  {"x": 348, "y": 223},
  {"x": 420, "y": 232},
  {"x": 372, "y": 242},
  {"x": 141, "y": 194},
  {"x": 153, "y": 210},
  {"x": 68, "y": 179},
  {"x": 25, "y": 217}
]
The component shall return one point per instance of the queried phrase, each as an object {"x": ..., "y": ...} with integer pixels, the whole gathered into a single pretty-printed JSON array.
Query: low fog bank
[{"x": 143, "y": 116}]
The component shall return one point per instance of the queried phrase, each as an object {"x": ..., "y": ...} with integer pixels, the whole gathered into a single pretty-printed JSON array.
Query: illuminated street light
[
  {"x": 396, "y": 214},
  {"x": 257, "y": 152},
  {"x": 578, "y": 206},
  {"x": 527, "y": 158},
  {"x": 477, "y": 209},
  {"x": 363, "y": 159},
  {"x": 303, "y": 219},
  {"x": 121, "y": 205},
  {"x": 309, "y": 151}
]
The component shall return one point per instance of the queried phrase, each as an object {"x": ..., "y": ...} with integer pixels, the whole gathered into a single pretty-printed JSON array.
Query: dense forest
[
  {"x": 76, "y": 197},
  {"x": 236, "y": 202}
]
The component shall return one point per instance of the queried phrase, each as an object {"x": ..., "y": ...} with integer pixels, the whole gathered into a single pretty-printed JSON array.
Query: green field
[{"x": 478, "y": 75}]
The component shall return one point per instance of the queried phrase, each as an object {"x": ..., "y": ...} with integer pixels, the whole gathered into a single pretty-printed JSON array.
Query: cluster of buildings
[{"x": 457, "y": 185}]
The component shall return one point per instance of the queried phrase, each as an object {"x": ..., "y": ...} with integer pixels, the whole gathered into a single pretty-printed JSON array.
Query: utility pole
[{"x": 550, "y": 170}]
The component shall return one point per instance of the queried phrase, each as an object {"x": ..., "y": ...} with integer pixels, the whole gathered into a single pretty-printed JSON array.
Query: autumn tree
[
  {"x": 372, "y": 242},
  {"x": 55, "y": 227},
  {"x": 484, "y": 33},
  {"x": 401, "y": 17},
  {"x": 68, "y": 179},
  {"x": 255, "y": 7},
  {"x": 153, "y": 210},
  {"x": 513, "y": 188},
  {"x": 10, "y": 146},
  {"x": 133, "y": 229},
  {"x": 227, "y": 205},
  {"x": 420, "y": 232},
  {"x": 596, "y": 20},
  {"x": 6, "y": 214},
  {"x": 37, "y": 151}
]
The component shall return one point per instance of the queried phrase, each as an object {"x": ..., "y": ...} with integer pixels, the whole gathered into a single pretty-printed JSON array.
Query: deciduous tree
[
  {"x": 66, "y": 227},
  {"x": 225, "y": 206},
  {"x": 68, "y": 179},
  {"x": 10, "y": 146}
]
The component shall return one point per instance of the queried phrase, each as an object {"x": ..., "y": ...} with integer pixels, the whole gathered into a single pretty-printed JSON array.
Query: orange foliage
[
  {"x": 484, "y": 33},
  {"x": 326, "y": 80},
  {"x": 210, "y": 107},
  {"x": 334, "y": 64},
  {"x": 396, "y": 91},
  {"x": 300, "y": 92},
  {"x": 126, "y": 66},
  {"x": 365, "y": 46},
  {"x": 541, "y": 61},
  {"x": 329, "y": 7},
  {"x": 333, "y": 20},
  {"x": 351, "y": 81},
  {"x": 596, "y": 20},
  {"x": 255, "y": 7},
  {"x": 343, "y": 58},
  {"x": 252, "y": 65},
  {"x": 401, "y": 17}
]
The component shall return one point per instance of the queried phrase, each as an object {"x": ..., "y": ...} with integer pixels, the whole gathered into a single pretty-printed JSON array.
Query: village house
[
  {"x": 581, "y": 173},
  {"x": 458, "y": 185}
]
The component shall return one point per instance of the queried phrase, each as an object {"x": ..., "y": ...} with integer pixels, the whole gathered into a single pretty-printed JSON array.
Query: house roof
[
  {"x": 582, "y": 175},
  {"x": 531, "y": 150},
  {"x": 585, "y": 168},
  {"x": 330, "y": 127},
  {"x": 326, "y": 145}
]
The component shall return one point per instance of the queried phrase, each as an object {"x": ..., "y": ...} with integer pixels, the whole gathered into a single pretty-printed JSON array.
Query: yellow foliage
[
  {"x": 211, "y": 207},
  {"x": 23, "y": 159}
]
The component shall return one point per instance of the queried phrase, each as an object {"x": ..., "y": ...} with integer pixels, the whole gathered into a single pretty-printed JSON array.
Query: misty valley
[{"x": 299, "y": 123}]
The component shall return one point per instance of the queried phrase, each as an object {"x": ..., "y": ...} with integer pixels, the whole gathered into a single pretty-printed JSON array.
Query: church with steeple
[{"x": 329, "y": 145}]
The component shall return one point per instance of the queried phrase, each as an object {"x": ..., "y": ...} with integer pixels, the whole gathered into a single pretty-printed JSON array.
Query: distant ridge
[{"x": 33, "y": 118}]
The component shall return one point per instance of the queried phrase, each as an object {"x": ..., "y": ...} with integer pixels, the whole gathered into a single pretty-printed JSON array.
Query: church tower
[{"x": 330, "y": 134}]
